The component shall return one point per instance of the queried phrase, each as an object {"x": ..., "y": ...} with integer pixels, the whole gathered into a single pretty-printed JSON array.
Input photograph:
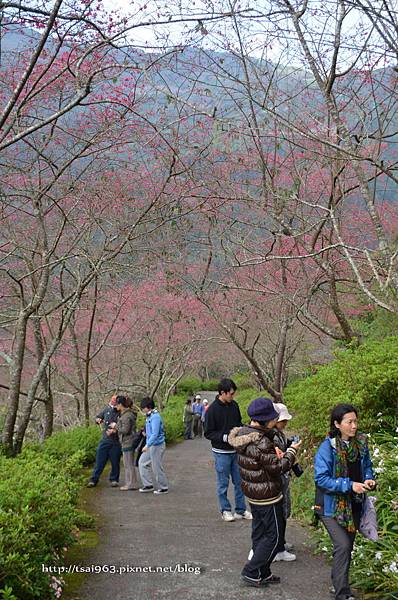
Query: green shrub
[
  {"x": 192, "y": 385},
  {"x": 375, "y": 564},
  {"x": 366, "y": 376},
  {"x": 189, "y": 385},
  {"x": 82, "y": 439},
  {"x": 39, "y": 491},
  {"x": 172, "y": 417},
  {"x": 245, "y": 381}
]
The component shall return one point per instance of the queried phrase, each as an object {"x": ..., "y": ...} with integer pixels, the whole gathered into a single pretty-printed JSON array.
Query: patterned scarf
[{"x": 347, "y": 453}]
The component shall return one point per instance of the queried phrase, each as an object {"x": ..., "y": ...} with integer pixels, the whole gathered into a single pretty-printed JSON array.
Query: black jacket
[
  {"x": 109, "y": 415},
  {"x": 220, "y": 419}
]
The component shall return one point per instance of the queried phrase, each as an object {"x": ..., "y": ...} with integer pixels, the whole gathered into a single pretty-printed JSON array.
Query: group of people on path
[
  {"x": 258, "y": 458},
  {"x": 194, "y": 417},
  {"x": 119, "y": 436}
]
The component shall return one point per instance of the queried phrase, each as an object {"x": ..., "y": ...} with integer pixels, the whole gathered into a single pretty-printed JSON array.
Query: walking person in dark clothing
[
  {"x": 222, "y": 416},
  {"x": 187, "y": 420},
  {"x": 198, "y": 411},
  {"x": 109, "y": 447},
  {"x": 261, "y": 469}
]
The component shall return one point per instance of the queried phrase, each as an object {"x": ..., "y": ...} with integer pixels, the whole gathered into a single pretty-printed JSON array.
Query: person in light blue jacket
[
  {"x": 343, "y": 474},
  {"x": 152, "y": 453}
]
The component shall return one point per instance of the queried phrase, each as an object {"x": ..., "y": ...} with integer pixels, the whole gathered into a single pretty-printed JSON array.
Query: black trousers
[
  {"x": 343, "y": 542},
  {"x": 267, "y": 526},
  {"x": 188, "y": 430},
  {"x": 282, "y": 535}
]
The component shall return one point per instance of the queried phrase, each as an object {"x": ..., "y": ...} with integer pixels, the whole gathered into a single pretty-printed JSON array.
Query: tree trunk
[
  {"x": 280, "y": 357},
  {"x": 15, "y": 382},
  {"x": 45, "y": 381},
  {"x": 87, "y": 359}
]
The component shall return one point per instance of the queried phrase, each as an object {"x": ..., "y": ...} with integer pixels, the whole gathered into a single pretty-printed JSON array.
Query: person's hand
[
  {"x": 278, "y": 452},
  {"x": 296, "y": 445},
  {"x": 145, "y": 448},
  {"x": 370, "y": 484},
  {"x": 98, "y": 421},
  {"x": 359, "y": 488}
]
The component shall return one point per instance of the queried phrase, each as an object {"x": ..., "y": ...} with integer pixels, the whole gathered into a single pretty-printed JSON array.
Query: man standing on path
[
  {"x": 187, "y": 420},
  {"x": 109, "y": 446},
  {"x": 153, "y": 451},
  {"x": 198, "y": 416},
  {"x": 222, "y": 416}
]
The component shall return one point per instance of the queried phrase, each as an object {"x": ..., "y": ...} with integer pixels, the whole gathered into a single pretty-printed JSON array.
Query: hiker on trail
[
  {"x": 153, "y": 451},
  {"x": 282, "y": 443},
  {"x": 198, "y": 416},
  {"x": 261, "y": 469},
  {"x": 125, "y": 427},
  {"x": 222, "y": 416},
  {"x": 205, "y": 406},
  {"x": 108, "y": 447},
  {"x": 187, "y": 420},
  {"x": 343, "y": 474}
]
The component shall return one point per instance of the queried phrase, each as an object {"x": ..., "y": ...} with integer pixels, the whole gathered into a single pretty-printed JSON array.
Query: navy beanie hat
[{"x": 262, "y": 409}]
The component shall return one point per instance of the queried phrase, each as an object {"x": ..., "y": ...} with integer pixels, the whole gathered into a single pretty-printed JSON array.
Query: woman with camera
[
  {"x": 343, "y": 474},
  {"x": 282, "y": 443}
]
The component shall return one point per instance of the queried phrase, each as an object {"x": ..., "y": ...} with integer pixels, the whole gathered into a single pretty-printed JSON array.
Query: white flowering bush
[{"x": 375, "y": 564}]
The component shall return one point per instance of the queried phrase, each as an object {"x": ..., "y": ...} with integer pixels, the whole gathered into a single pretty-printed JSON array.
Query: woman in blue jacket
[{"x": 343, "y": 474}]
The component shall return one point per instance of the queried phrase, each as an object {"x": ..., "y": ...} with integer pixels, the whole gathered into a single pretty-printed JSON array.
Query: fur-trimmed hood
[
  {"x": 260, "y": 468},
  {"x": 239, "y": 437}
]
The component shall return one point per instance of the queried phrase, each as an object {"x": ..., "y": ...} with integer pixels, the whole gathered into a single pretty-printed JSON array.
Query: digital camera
[{"x": 297, "y": 469}]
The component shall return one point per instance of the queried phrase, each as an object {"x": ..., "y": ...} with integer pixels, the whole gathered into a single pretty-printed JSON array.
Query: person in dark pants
[
  {"x": 198, "y": 411},
  {"x": 260, "y": 471},
  {"x": 187, "y": 420},
  {"x": 343, "y": 474},
  {"x": 281, "y": 442},
  {"x": 109, "y": 447}
]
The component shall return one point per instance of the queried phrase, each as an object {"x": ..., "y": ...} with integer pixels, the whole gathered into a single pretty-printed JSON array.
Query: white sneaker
[
  {"x": 286, "y": 556},
  {"x": 246, "y": 515},
  {"x": 227, "y": 516},
  {"x": 251, "y": 554}
]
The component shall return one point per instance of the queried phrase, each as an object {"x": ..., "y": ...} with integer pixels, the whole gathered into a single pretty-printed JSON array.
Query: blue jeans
[
  {"x": 227, "y": 466},
  {"x": 107, "y": 450}
]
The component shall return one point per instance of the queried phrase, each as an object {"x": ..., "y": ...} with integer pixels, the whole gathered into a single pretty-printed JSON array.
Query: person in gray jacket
[{"x": 126, "y": 427}]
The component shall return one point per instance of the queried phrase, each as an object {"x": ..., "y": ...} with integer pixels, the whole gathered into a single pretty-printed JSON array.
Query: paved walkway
[{"x": 185, "y": 528}]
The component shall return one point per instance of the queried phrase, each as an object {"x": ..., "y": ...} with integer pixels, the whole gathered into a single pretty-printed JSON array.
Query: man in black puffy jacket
[{"x": 260, "y": 470}]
